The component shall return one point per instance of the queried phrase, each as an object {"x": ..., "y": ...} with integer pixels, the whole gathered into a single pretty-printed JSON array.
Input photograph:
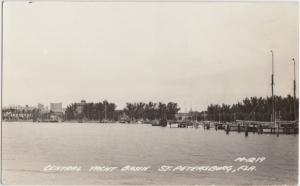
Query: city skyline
[{"x": 106, "y": 52}]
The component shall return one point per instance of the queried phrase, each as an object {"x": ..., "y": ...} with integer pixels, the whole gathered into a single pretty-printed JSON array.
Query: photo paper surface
[{"x": 149, "y": 93}]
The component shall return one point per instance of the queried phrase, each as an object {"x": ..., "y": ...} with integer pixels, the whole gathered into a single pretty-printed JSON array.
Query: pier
[
  {"x": 242, "y": 126},
  {"x": 259, "y": 127}
]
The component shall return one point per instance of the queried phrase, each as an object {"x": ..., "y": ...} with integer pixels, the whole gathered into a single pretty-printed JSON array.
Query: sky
[{"x": 192, "y": 53}]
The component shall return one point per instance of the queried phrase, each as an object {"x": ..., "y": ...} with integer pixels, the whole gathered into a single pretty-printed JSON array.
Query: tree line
[
  {"x": 91, "y": 111},
  {"x": 134, "y": 111},
  {"x": 254, "y": 108},
  {"x": 151, "y": 111}
]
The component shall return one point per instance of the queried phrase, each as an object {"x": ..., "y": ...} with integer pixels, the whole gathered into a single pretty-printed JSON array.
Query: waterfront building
[
  {"x": 193, "y": 115},
  {"x": 56, "y": 112},
  {"x": 56, "y": 107},
  {"x": 40, "y": 106},
  {"x": 183, "y": 116},
  {"x": 123, "y": 118},
  {"x": 17, "y": 112},
  {"x": 42, "y": 109},
  {"x": 79, "y": 106}
]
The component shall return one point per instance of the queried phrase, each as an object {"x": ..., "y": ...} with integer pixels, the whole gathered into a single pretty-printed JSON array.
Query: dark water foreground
[{"x": 79, "y": 153}]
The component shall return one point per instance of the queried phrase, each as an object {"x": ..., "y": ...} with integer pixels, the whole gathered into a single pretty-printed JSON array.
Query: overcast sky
[{"x": 191, "y": 53}]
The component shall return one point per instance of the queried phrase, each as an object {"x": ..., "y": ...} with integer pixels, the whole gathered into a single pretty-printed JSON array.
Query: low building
[
  {"x": 183, "y": 116},
  {"x": 188, "y": 116}
]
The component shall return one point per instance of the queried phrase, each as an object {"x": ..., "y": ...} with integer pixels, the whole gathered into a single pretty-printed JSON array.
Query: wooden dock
[
  {"x": 278, "y": 127},
  {"x": 259, "y": 127}
]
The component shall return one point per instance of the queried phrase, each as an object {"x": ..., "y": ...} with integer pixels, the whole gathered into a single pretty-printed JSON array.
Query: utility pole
[{"x": 295, "y": 112}]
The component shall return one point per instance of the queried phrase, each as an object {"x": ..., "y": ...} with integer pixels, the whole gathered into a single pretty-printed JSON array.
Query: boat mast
[
  {"x": 105, "y": 110},
  {"x": 272, "y": 84},
  {"x": 295, "y": 112}
]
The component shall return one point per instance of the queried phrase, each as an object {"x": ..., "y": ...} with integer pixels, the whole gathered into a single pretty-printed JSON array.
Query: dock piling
[
  {"x": 227, "y": 129},
  {"x": 246, "y": 130},
  {"x": 277, "y": 127},
  {"x": 260, "y": 129}
]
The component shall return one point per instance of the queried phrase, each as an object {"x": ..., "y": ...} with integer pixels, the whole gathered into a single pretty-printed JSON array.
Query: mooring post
[
  {"x": 277, "y": 126},
  {"x": 246, "y": 130},
  {"x": 227, "y": 129},
  {"x": 260, "y": 129}
]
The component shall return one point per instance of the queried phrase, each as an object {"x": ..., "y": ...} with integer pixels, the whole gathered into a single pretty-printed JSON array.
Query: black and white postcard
[{"x": 151, "y": 92}]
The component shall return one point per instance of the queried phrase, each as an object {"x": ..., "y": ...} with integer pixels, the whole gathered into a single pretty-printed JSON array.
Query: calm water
[{"x": 29, "y": 147}]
